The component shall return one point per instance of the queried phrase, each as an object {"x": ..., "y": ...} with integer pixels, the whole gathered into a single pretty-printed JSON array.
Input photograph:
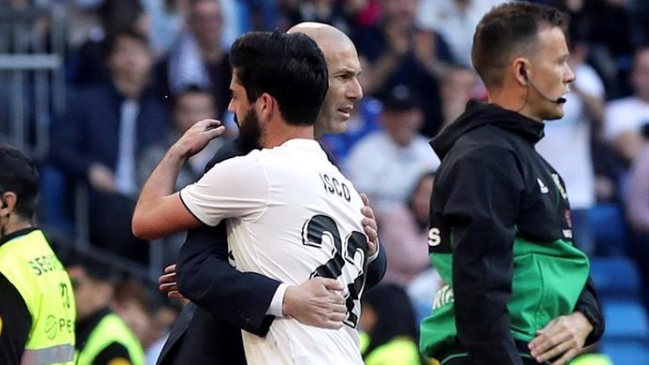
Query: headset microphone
[{"x": 560, "y": 100}]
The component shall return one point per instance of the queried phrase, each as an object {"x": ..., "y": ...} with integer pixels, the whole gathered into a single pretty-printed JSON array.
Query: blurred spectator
[
  {"x": 190, "y": 106},
  {"x": 459, "y": 85},
  {"x": 625, "y": 118},
  {"x": 639, "y": 10},
  {"x": 199, "y": 58},
  {"x": 396, "y": 52},
  {"x": 168, "y": 22},
  {"x": 131, "y": 303},
  {"x": 164, "y": 317},
  {"x": 637, "y": 208},
  {"x": 98, "y": 25},
  {"x": 106, "y": 128},
  {"x": 611, "y": 40},
  {"x": 455, "y": 21},
  {"x": 386, "y": 164},
  {"x": 637, "y": 199},
  {"x": 167, "y": 19},
  {"x": 24, "y": 28},
  {"x": 404, "y": 234},
  {"x": 390, "y": 334},
  {"x": 363, "y": 13},
  {"x": 262, "y": 14},
  {"x": 322, "y": 11},
  {"x": 571, "y": 136},
  {"x": 102, "y": 337}
]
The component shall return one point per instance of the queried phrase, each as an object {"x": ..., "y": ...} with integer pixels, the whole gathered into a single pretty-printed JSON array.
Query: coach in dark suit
[
  {"x": 209, "y": 331},
  {"x": 226, "y": 300}
]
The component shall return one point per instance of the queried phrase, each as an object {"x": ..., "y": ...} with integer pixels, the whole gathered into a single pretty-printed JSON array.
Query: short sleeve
[{"x": 238, "y": 187}]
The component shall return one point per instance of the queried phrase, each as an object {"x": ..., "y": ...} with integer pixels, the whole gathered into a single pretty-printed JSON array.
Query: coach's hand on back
[
  {"x": 369, "y": 226},
  {"x": 197, "y": 137},
  {"x": 317, "y": 302}
]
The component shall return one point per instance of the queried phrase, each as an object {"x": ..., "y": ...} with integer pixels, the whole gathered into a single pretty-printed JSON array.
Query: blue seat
[
  {"x": 609, "y": 229},
  {"x": 625, "y": 321},
  {"x": 616, "y": 278},
  {"x": 626, "y": 353}
]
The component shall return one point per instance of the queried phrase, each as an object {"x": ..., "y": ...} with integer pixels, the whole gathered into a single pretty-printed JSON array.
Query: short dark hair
[
  {"x": 289, "y": 67},
  {"x": 190, "y": 89},
  {"x": 18, "y": 174},
  {"x": 96, "y": 268},
  {"x": 509, "y": 29},
  {"x": 395, "y": 315},
  {"x": 130, "y": 33}
]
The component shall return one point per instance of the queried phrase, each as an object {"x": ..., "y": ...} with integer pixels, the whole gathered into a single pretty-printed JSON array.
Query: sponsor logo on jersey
[
  {"x": 434, "y": 238},
  {"x": 557, "y": 182},
  {"x": 443, "y": 296},
  {"x": 50, "y": 326},
  {"x": 567, "y": 233},
  {"x": 544, "y": 188}
]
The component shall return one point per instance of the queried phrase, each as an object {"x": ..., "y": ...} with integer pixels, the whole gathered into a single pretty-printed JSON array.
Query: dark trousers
[
  {"x": 639, "y": 252},
  {"x": 110, "y": 226}
]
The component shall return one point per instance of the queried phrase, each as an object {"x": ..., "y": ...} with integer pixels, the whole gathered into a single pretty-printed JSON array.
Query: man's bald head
[
  {"x": 324, "y": 35},
  {"x": 344, "y": 67}
]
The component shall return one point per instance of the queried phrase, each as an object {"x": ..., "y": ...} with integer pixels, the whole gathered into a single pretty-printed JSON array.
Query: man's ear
[
  {"x": 267, "y": 107},
  {"x": 8, "y": 200},
  {"x": 520, "y": 68}
]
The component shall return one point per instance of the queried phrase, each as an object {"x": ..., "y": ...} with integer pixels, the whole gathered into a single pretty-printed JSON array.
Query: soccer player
[
  {"x": 251, "y": 301},
  {"x": 292, "y": 215}
]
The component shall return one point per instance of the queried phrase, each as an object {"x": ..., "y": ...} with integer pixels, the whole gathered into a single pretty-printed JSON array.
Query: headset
[{"x": 560, "y": 100}]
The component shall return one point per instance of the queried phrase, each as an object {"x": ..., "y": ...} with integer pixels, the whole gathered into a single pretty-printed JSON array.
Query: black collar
[
  {"x": 85, "y": 326},
  {"x": 20, "y": 232}
]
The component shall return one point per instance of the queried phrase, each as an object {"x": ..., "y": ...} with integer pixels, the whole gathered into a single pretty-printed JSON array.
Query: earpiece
[
  {"x": 523, "y": 73},
  {"x": 4, "y": 204}
]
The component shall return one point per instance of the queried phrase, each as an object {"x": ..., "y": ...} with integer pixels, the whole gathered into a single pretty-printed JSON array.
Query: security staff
[
  {"x": 102, "y": 337},
  {"x": 37, "y": 308}
]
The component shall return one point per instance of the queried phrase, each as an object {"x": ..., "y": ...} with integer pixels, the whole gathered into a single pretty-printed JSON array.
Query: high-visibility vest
[
  {"x": 31, "y": 266},
  {"x": 111, "y": 329}
]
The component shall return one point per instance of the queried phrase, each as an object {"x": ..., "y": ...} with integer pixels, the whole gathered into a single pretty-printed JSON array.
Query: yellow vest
[
  {"x": 111, "y": 329},
  {"x": 592, "y": 359},
  {"x": 400, "y": 350},
  {"x": 31, "y": 266}
]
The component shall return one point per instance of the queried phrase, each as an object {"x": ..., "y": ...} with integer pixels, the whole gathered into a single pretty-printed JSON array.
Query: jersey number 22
[{"x": 355, "y": 254}]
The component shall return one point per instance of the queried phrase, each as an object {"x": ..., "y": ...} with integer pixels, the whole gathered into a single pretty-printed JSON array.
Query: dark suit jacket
[
  {"x": 234, "y": 301},
  {"x": 89, "y": 132}
]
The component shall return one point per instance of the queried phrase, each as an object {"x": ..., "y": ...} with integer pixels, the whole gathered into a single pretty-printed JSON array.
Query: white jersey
[{"x": 292, "y": 216}]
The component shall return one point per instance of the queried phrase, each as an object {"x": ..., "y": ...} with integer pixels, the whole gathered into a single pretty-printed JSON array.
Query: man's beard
[{"x": 249, "y": 132}]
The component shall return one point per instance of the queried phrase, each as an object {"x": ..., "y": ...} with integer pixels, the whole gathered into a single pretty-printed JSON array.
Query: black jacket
[{"x": 499, "y": 212}]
